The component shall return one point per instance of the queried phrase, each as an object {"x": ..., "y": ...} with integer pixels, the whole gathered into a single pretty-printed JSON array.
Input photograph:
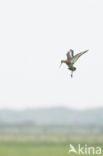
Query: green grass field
[
  {"x": 11, "y": 145},
  {"x": 32, "y": 149},
  {"x": 28, "y": 149}
]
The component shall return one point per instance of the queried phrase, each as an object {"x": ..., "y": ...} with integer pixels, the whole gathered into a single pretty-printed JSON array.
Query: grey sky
[{"x": 34, "y": 36}]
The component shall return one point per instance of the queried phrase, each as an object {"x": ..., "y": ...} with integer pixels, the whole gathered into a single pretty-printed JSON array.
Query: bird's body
[
  {"x": 67, "y": 62},
  {"x": 71, "y": 59}
]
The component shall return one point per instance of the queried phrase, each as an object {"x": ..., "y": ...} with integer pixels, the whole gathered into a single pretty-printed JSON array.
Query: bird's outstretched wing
[
  {"x": 76, "y": 57},
  {"x": 70, "y": 54}
]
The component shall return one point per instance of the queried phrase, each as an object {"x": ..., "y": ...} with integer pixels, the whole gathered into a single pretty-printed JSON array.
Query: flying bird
[{"x": 71, "y": 59}]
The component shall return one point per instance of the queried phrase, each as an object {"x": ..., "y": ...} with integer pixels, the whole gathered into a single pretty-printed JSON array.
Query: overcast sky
[{"x": 34, "y": 36}]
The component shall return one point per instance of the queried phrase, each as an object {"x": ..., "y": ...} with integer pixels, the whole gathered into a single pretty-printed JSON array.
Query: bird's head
[{"x": 62, "y": 61}]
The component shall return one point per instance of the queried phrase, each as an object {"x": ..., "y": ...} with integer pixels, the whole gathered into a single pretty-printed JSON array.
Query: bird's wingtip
[{"x": 86, "y": 51}]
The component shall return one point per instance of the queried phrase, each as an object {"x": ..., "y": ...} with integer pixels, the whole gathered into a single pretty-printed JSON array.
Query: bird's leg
[{"x": 71, "y": 74}]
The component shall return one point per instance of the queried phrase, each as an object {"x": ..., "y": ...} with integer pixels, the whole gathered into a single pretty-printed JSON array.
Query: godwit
[{"x": 71, "y": 59}]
